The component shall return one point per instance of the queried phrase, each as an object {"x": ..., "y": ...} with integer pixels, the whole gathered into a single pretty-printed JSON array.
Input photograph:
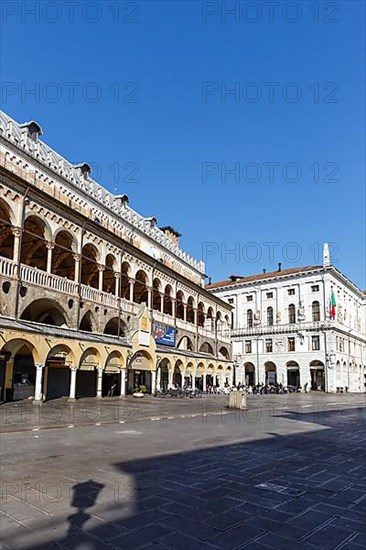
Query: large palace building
[
  {"x": 94, "y": 298},
  {"x": 299, "y": 327}
]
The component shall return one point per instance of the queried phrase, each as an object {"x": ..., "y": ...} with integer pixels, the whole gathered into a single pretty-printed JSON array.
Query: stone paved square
[{"x": 289, "y": 472}]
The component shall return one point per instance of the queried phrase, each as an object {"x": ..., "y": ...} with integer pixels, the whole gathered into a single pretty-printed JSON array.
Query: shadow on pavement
[{"x": 302, "y": 491}]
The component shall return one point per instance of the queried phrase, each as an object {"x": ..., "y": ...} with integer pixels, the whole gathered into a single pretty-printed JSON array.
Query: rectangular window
[
  {"x": 269, "y": 346},
  {"x": 315, "y": 343},
  {"x": 248, "y": 346},
  {"x": 231, "y": 300},
  {"x": 291, "y": 344},
  {"x": 315, "y": 288},
  {"x": 291, "y": 291},
  {"x": 250, "y": 298},
  {"x": 269, "y": 294}
]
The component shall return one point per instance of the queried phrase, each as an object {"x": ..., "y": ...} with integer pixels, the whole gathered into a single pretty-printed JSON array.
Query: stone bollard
[{"x": 237, "y": 400}]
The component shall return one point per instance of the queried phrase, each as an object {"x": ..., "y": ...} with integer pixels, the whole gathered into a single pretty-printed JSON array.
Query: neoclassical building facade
[
  {"x": 284, "y": 329},
  {"x": 94, "y": 298}
]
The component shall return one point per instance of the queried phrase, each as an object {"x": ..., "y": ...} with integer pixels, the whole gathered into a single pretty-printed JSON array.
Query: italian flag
[{"x": 332, "y": 306}]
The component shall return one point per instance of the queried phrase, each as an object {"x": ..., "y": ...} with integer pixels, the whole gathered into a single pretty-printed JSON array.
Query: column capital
[
  {"x": 50, "y": 245},
  {"x": 73, "y": 367},
  {"x": 117, "y": 275},
  {"x": 100, "y": 369},
  {"x": 16, "y": 231},
  {"x": 101, "y": 267},
  {"x": 76, "y": 257},
  {"x": 131, "y": 280},
  {"x": 40, "y": 366}
]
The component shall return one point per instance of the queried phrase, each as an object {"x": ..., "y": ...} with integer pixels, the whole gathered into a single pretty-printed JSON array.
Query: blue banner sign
[{"x": 164, "y": 334}]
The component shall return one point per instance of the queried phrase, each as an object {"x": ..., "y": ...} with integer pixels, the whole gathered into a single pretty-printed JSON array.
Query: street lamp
[{"x": 235, "y": 366}]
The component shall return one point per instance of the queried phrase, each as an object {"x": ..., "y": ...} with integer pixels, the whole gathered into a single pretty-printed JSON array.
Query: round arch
[
  {"x": 63, "y": 262},
  {"x": 249, "y": 370},
  {"x": 115, "y": 327},
  {"x": 6, "y": 234},
  {"x": 45, "y": 311},
  {"x": 36, "y": 233},
  {"x": 293, "y": 374},
  {"x": 140, "y": 292},
  {"x": 89, "y": 265},
  {"x": 87, "y": 322},
  {"x": 270, "y": 372}
]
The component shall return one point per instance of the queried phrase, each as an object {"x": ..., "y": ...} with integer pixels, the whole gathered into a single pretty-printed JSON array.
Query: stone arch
[
  {"x": 109, "y": 278},
  {"x": 270, "y": 372},
  {"x": 140, "y": 292},
  {"x": 249, "y": 373},
  {"x": 62, "y": 353},
  {"x": 90, "y": 358},
  {"x": 16, "y": 344},
  {"x": 201, "y": 314},
  {"x": 190, "y": 310},
  {"x": 156, "y": 294},
  {"x": 58, "y": 374},
  {"x": 206, "y": 347},
  {"x": 6, "y": 234},
  {"x": 224, "y": 353},
  {"x": 125, "y": 280},
  {"x": 34, "y": 242},
  {"x": 293, "y": 373},
  {"x": 87, "y": 322},
  {"x": 115, "y": 359},
  {"x": 63, "y": 262},
  {"x": 115, "y": 327},
  {"x": 179, "y": 307},
  {"x": 89, "y": 266},
  {"x": 185, "y": 343},
  {"x": 45, "y": 311},
  {"x": 168, "y": 302}
]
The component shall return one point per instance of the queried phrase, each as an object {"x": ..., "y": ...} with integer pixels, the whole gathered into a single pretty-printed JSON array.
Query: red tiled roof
[{"x": 260, "y": 276}]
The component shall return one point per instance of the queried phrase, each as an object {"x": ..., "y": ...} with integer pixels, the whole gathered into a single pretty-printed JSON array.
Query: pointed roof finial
[{"x": 326, "y": 255}]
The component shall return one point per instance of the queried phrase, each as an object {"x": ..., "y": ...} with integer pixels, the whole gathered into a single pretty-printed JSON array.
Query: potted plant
[{"x": 140, "y": 391}]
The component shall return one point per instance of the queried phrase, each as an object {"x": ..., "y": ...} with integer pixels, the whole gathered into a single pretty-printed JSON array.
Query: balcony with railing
[
  {"x": 260, "y": 330},
  {"x": 37, "y": 277}
]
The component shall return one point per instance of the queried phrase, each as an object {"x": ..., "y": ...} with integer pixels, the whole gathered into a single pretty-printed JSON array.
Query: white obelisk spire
[{"x": 326, "y": 255}]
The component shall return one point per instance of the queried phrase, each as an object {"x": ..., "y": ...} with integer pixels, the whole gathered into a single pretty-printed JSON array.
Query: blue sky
[{"x": 148, "y": 94}]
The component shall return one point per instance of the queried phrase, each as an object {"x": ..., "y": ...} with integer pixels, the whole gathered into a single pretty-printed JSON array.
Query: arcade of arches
[{"x": 29, "y": 369}]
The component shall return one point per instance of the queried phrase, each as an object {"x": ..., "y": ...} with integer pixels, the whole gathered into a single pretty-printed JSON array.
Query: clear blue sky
[{"x": 169, "y": 126}]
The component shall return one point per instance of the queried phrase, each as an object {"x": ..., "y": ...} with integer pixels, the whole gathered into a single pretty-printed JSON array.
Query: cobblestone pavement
[{"x": 288, "y": 473}]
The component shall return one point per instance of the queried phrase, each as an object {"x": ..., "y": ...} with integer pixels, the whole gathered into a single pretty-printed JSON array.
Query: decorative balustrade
[
  {"x": 260, "y": 330},
  {"x": 8, "y": 268},
  {"x": 38, "y": 277},
  {"x": 163, "y": 318}
]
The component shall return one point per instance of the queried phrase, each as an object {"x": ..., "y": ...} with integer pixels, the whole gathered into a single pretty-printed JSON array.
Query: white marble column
[
  {"x": 131, "y": 283},
  {"x": 16, "y": 250},
  {"x": 158, "y": 380},
  {"x": 170, "y": 379},
  {"x": 99, "y": 383},
  {"x": 123, "y": 382},
  {"x": 117, "y": 278},
  {"x": 149, "y": 297},
  {"x": 153, "y": 382},
  {"x": 72, "y": 392},
  {"x": 77, "y": 260},
  {"x": 38, "y": 396},
  {"x": 193, "y": 378},
  {"x": 100, "y": 276},
  {"x": 50, "y": 246},
  {"x": 204, "y": 383}
]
